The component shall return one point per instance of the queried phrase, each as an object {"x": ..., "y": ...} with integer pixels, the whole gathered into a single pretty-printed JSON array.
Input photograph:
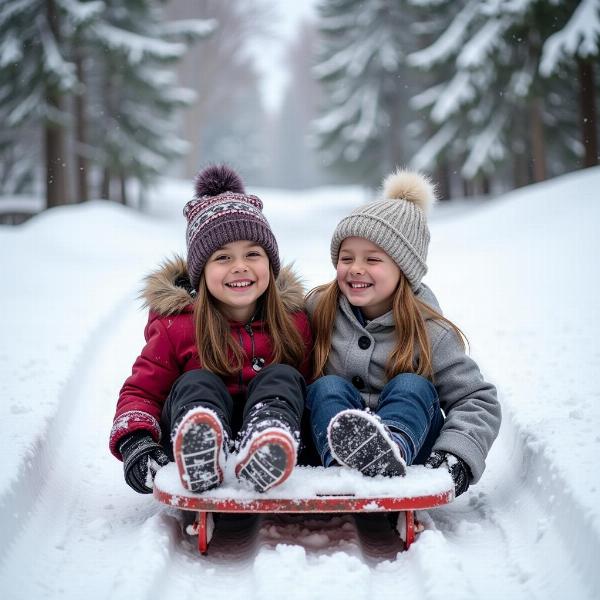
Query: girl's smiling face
[
  {"x": 367, "y": 276},
  {"x": 237, "y": 275}
]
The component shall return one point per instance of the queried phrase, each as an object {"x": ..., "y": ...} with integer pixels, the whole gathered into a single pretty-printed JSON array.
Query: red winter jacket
[{"x": 170, "y": 348}]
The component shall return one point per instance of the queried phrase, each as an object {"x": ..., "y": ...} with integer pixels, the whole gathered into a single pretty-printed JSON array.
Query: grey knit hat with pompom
[
  {"x": 397, "y": 223},
  {"x": 222, "y": 213}
]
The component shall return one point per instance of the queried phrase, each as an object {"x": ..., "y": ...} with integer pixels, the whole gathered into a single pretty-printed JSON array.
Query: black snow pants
[{"x": 276, "y": 393}]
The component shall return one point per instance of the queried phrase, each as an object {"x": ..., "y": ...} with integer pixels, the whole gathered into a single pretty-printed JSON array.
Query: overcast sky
[{"x": 270, "y": 54}]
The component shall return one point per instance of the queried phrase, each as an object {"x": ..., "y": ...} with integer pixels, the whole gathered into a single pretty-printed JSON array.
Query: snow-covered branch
[
  {"x": 580, "y": 37},
  {"x": 137, "y": 46},
  {"x": 449, "y": 43},
  {"x": 190, "y": 29}
]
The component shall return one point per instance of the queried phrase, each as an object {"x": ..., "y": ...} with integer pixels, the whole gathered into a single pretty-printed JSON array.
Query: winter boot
[
  {"x": 199, "y": 446},
  {"x": 359, "y": 440},
  {"x": 267, "y": 455}
]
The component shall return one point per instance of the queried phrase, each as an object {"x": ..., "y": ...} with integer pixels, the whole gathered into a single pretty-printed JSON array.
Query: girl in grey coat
[{"x": 394, "y": 385}]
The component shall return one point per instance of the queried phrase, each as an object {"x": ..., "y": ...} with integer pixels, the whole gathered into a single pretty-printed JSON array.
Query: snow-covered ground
[{"x": 519, "y": 275}]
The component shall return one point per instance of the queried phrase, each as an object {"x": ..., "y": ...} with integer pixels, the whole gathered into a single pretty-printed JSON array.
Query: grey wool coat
[{"x": 469, "y": 403}]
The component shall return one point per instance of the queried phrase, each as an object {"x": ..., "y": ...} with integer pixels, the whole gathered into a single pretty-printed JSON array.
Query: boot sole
[
  {"x": 197, "y": 448},
  {"x": 268, "y": 462},
  {"x": 358, "y": 441}
]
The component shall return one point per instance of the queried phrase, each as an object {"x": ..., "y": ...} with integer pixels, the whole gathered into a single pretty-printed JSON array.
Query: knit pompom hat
[
  {"x": 222, "y": 213},
  {"x": 397, "y": 223}
]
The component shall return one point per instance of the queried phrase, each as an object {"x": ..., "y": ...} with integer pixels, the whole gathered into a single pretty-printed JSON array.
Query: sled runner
[{"x": 312, "y": 490}]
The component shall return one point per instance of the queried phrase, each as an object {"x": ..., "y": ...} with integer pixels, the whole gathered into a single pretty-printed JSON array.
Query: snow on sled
[{"x": 311, "y": 490}]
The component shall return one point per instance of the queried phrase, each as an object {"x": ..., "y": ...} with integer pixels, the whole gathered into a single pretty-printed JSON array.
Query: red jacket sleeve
[{"x": 144, "y": 392}]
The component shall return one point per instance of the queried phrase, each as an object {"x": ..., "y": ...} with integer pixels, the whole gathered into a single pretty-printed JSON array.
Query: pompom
[
  {"x": 411, "y": 186},
  {"x": 216, "y": 179}
]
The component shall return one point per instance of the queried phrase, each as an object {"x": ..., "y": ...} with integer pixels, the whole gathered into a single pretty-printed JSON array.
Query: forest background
[{"x": 99, "y": 98}]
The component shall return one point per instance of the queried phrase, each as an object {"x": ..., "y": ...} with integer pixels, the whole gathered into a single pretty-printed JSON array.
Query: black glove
[
  {"x": 142, "y": 458},
  {"x": 457, "y": 467}
]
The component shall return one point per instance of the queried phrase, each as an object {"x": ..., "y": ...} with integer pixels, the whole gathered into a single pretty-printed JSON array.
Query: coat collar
[
  {"x": 168, "y": 291},
  {"x": 387, "y": 319}
]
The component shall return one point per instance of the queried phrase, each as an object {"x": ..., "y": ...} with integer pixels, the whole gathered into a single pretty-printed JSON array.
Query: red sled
[{"x": 312, "y": 490}]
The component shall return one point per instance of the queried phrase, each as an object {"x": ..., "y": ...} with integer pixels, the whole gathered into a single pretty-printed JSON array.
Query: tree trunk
[
  {"x": 105, "y": 187},
  {"x": 520, "y": 163},
  {"x": 467, "y": 188},
  {"x": 81, "y": 133},
  {"x": 141, "y": 201},
  {"x": 394, "y": 141},
  {"x": 57, "y": 184},
  {"x": 519, "y": 151},
  {"x": 538, "y": 154},
  {"x": 123, "y": 182},
  {"x": 443, "y": 181},
  {"x": 56, "y": 173},
  {"x": 520, "y": 170},
  {"x": 485, "y": 185},
  {"x": 588, "y": 112}
]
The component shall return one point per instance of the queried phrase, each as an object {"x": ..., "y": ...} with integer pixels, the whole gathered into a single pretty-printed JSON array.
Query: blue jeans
[{"x": 408, "y": 403}]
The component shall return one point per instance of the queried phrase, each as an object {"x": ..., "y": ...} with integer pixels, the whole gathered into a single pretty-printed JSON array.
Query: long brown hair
[
  {"x": 221, "y": 353},
  {"x": 412, "y": 353}
]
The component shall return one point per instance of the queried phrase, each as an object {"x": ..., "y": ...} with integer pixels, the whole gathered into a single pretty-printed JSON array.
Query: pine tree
[
  {"x": 576, "y": 46},
  {"x": 35, "y": 74},
  {"x": 442, "y": 27},
  {"x": 362, "y": 127},
  {"x": 490, "y": 109},
  {"x": 472, "y": 102},
  {"x": 135, "y": 96}
]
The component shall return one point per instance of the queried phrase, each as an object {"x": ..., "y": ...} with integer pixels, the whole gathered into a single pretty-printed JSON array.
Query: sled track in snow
[
  {"x": 541, "y": 535},
  {"x": 20, "y": 499},
  {"x": 558, "y": 508},
  {"x": 56, "y": 498}
]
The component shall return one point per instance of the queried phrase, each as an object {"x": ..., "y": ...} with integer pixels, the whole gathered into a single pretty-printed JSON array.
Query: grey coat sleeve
[{"x": 469, "y": 402}]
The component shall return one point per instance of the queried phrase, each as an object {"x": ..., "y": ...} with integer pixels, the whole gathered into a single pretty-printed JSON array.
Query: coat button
[
  {"x": 358, "y": 382},
  {"x": 364, "y": 342}
]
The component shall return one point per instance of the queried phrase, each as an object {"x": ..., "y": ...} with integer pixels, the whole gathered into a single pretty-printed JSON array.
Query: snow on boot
[
  {"x": 199, "y": 450},
  {"x": 361, "y": 441},
  {"x": 266, "y": 458}
]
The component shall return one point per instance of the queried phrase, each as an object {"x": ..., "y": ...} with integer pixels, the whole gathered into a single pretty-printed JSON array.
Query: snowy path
[
  {"x": 90, "y": 537},
  {"x": 73, "y": 512},
  {"x": 71, "y": 528}
]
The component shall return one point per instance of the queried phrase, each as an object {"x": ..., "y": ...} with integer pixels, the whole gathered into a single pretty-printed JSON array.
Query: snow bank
[{"x": 69, "y": 268}]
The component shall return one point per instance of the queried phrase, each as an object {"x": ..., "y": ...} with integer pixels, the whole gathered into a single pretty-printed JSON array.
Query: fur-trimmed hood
[{"x": 168, "y": 291}]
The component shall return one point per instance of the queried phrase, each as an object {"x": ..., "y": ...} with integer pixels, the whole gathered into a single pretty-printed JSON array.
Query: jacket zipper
[
  {"x": 256, "y": 362},
  {"x": 241, "y": 376}
]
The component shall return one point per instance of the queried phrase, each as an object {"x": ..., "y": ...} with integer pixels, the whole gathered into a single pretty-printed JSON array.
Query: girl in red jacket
[{"x": 226, "y": 349}]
